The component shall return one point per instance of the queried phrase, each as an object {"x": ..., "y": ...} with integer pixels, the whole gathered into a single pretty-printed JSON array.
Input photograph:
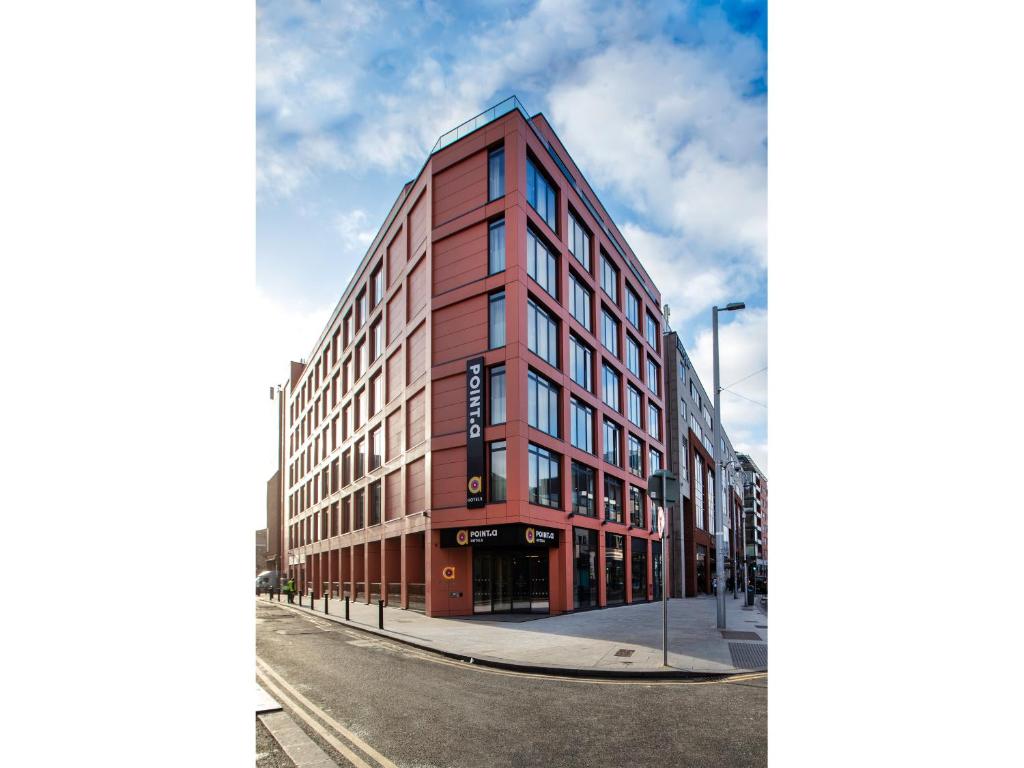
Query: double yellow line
[{"x": 329, "y": 729}]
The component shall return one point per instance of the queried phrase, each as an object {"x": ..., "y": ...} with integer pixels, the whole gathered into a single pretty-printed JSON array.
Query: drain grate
[
  {"x": 625, "y": 652},
  {"x": 748, "y": 655},
  {"x": 732, "y": 634}
]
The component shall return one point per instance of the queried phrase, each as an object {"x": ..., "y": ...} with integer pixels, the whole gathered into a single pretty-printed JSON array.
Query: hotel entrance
[{"x": 510, "y": 581}]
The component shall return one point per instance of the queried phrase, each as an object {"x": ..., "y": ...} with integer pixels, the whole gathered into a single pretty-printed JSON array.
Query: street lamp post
[{"x": 719, "y": 485}]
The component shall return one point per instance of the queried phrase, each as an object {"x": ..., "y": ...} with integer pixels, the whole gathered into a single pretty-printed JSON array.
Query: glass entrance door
[{"x": 510, "y": 580}]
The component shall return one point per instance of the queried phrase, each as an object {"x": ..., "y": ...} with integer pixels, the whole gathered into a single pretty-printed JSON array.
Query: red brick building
[{"x": 474, "y": 428}]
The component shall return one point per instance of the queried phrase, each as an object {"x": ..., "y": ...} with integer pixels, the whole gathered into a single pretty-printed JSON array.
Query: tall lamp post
[{"x": 719, "y": 485}]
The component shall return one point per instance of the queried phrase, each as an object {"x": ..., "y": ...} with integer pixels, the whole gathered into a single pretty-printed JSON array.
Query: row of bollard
[{"x": 380, "y": 606}]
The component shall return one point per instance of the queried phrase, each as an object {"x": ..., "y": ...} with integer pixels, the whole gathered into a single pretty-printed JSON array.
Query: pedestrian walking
[{"x": 289, "y": 589}]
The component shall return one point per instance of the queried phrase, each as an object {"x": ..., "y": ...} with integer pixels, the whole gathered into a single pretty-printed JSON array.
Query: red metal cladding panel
[
  {"x": 395, "y": 375},
  {"x": 448, "y": 475},
  {"x": 396, "y": 257},
  {"x": 396, "y": 315},
  {"x": 393, "y": 495},
  {"x": 460, "y": 188},
  {"x": 460, "y": 259},
  {"x": 448, "y": 405},
  {"x": 417, "y": 346},
  {"x": 415, "y": 484},
  {"x": 416, "y": 418},
  {"x": 394, "y": 435},
  {"x": 460, "y": 330},
  {"x": 417, "y": 288}
]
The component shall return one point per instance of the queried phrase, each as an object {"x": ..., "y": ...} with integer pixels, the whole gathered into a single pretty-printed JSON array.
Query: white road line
[{"x": 345, "y": 732}]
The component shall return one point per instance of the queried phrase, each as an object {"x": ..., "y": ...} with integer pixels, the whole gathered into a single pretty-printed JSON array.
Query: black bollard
[
  {"x": 300, "y": 599},
  {"x": 380, "y": 614},
  {"x": 346, "y": 607},
  {"x": 325, "y": 603}
]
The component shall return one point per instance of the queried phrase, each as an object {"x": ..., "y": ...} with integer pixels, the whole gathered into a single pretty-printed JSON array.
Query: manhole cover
[
  {"x": 731, "y": 634},
  {"x": 748, "y": 655},
  {"x": 625, "y": 652}
]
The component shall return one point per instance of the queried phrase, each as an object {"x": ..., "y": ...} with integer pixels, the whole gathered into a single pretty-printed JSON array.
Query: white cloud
[{"x": 356, "y": 235}]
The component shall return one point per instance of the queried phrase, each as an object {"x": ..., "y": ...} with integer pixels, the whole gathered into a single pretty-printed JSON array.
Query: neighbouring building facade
[
  {"x": 272, "y": 558},
  {"x": 755, "y": 510},
  {"x": 261, "y": 550},
  {"x": 473, "y": 430}
]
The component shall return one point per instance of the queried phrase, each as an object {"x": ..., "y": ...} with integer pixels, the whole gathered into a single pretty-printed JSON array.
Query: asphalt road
[{"x": 417, "y": 710}]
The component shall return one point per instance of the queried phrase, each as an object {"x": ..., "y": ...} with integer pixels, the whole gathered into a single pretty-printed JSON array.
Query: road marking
[{"x": 327, "y": 718}]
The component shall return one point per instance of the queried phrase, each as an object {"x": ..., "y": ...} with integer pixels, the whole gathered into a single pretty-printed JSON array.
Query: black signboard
[
  {"x": 475, "y": 433},
  {"x": 513, "y": 535}
]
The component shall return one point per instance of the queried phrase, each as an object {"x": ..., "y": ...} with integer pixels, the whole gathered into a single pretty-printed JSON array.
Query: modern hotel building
[{"x": 473, "y": 430}]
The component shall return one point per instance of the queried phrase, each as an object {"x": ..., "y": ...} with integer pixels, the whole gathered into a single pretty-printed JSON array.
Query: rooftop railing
[{"x": 475, "y": 123}]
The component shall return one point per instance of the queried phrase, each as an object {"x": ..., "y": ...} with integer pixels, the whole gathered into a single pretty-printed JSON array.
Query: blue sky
[{"x": 662, "y": 105}]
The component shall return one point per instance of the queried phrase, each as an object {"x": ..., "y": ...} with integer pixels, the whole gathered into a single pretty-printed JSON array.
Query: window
[
  {"x": 653, "y": 377},
  {"x": 359, "y": 409},
  {"x": 360, "y": 359},
  {"x": 540, "y": 194},
  {"x": 582, "y": 490},
  {"x": 633, "y": 307},
  {"x": 579, "y": 242},
  {"x": 612, "y": 442},
  {"x": 652, "y": 330},
  {"x": 359, "y": 452},
  {"x": 376, "y": 447},
  {"x": 694, "y": 425},
  {"x": 497, "y": 394},
  {"x": 632, "y": 356},
  {"x": 655, "y": 460},
  {"x": 636, "y": 507},
  {"x": 376, "y": 393},
  {"x": 377, "y": 281},
  {"x": 361, "y": 309},
  {"x": 499, "y": 472},
  {"x": 496, "y": 321},
  {"x": 496, "y": 173},
  {"x": 545, "y": 482},
  {"x": 609, "y": 332},
  {"x": 542, "y": 407},
  {"x": 635, "y": 452},
  {"x": 707, "y": 416},
  {"x": 581, "y": 418},
  {"x": 612, "y": 499},
  {"x": 610, "y": 386},
  {"x": 542, "y": 333},
  {"x": 698, "y": 492},
  {"x": 579, "y": 302},
  {"x": 496, "y": 247},
  {"x": 374, "y": 503},
  {"x": 609, "y": 278},
  {"x": 580, "y": 363},
  {"x": 541, "y": 264},
  {"x": 694, "y": 394},
  {"x": 633, "y": 405},
  {"x": 358, "y": 522},
  {"x": 376, "y": 340},
  {"x": 653, "y": 421},
  {"x": 346, "y": 473}
]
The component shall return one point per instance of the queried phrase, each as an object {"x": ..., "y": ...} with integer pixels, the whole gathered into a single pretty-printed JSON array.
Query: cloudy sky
[{"x": 662, "y": 105}]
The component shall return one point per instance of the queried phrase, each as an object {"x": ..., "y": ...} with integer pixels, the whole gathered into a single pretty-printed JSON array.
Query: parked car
[{"x": 268, "y": 581}]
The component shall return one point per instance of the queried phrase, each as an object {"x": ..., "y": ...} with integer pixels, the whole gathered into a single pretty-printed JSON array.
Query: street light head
[{"x": 734, "y": 306}]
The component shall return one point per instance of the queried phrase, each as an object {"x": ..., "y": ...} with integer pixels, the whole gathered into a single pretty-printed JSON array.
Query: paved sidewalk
[{"x": 623, "y": 640}]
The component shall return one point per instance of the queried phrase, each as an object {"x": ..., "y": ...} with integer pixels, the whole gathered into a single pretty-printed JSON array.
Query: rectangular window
[
  {"x": 377, "y": 281},
  {"x": 541, "y": 264},
  {"x": 707, "y": 416},
  {"x": 357, "y": 523},
  {"x": 652, "y": 330},
  {"x": 632, "y": 307},
  {"x": 542, "y": 404},
  {"x": 375, "y": 503},
  {"x": 359, "y": 451},
  {"x": 582, "y": 490},
  {"x": 496, "y": 320},
  {"x": 635, "y": 452},
  {"x": 542, "y": 333},
  {"x": 499, "y": 473},
  {"x": 609, "y": 278},
  {"x": 540, "y": 194},
  {"x": 610, "y": 382},
  {"x": 694, "y": 425},
  {"x": 655, "y": 460},
  {"x": 609, "y": 332},
  {"x": 496, "y": 247},
  {"x": 376, "y": 447},
  {"x": 580, "y": 363},
  {"x": 694, "y": 394},
  {"x": 632, "y": 356},
  {"x": 653, "y": 421},
  {"x": 360, "y": 360},
  {"x": 582, "y": 425},
  {"x": 636, "y": 507},
  {"x": 376, "y": 393},
  {"x": 376, "y": 340},
  {"x": 496, "y": 173},
  {"x": 612, "y": 443},
  {"x": 579, "y": 301},
  {"x": 361, "y": 309},
  {"x": 612, "y": 499},
  {"x": 633, "y": 405},
  {"x": 545, "y": 481},
  {"x": 497, "y": 394},
  {"x": 698, "y": 492},
  {"x": 653, "y": 377},
  {"x": 579, "y": 242}
]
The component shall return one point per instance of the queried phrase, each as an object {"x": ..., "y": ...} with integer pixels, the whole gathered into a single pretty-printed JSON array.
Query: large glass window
[
  {"x": 612, "y": 499},
  {"x": 497, "y": 394},
  {"x": 499, "y": 472},
  {"x": 633, "y": 402},
  {"x": 655, "y": 460},
  {"x": 542, "y": 407},
  {"x": 579, "y": 301},
  {"x": 542, "y": 333},
  {"x": 378, "y": 284},
  {"x": 545, "y": 482},
  {"x": 698, "y": 492},
  {"x": 615, "y": 568},
  {"x": 541, "y": 264},
  {"x": 579, "y": 242},
  {"x": 496, "y": 320},
  {"x": 540, "y": 194},
  {"x": 652, "y": 330},
  {"x": 636, "y": 507},
  {"x": 609, "y": 278},
  {"x": 357, "y": 523},
  {"x": 611, "y": 443},
  {"x": 580, "y": 363},
  {"x": 582, "y": 490},
  {"x": 653, "y": 376},
  {"x": 496, "y": 247},
  {"x": 638, "y": 569},
  {"x": 376, "y": 447},
  {"x": 633, "y": 307},
  {"x": 496, "y": 173},
  {"x": 609, "y": 332},
  {"x": 653, "y": 421},
  {"x": 610, "y": 386},
  {"x": 581, "y": 418},
  {"x": 374, "y": 503},
  {"x": 585, "y": 553},
  {"x": 632, "y": 356},
  {"x": 635, "y": 452}
]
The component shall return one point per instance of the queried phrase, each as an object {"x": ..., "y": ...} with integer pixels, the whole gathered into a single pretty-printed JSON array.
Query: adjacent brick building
[{"x": 474, "y": 428}]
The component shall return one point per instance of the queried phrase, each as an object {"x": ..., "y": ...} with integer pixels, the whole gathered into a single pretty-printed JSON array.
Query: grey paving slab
[{"x": 301, "y": 749}]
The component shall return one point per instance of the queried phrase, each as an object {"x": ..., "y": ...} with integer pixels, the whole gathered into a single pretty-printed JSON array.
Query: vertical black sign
[{"x": 475, "y": 433}]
